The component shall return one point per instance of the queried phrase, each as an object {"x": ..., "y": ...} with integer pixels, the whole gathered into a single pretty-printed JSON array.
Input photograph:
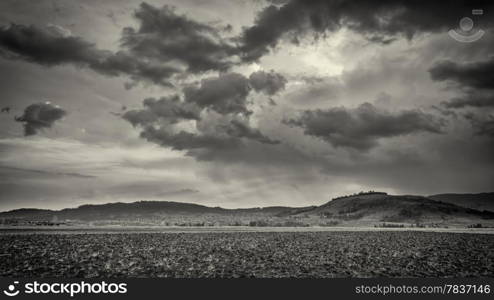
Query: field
[{"x": 248, "y": 254}]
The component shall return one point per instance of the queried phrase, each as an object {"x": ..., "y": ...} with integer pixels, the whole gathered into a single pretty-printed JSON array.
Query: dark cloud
[
  {"x": 472, "y": 100},
  {"x": 241, "y": 129},
  {"x": 475, "y": 79},
  {"x": 40, "y": 116},
  {"x": 228, "y": 92},
  {"x": 479, "y": 75},
  {"x": 482, "y": 124},
  {"x": 45, "y": 173},
  {"x": 379, "y": 20},
  {"x": 268, "y": 83},
  {"x": 229, "y": 139},
  {"x": 171, "y": 109},
  {"x": 49, "y": 47},
  {"x": 225, "y": 135},
  {"x": 123, "y": 63},
  {"x": 278, "y": 2},
  {"x": 444, "y": 111},
  {"x": 224, "y": 94},
  {"x": 164, "y": 35},
  {"x": 45, "y": 46},
  {"x": 186, "y": 140},
  {"x": 360, "y": 128},
  {"x": 218, "y": 105},
  {"x": 164, "y": 44},
  {"x": 486, "y": 128}
]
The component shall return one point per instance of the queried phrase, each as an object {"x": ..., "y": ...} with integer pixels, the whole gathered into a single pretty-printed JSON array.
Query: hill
[
  {"x": 378, "y": 207},
  {"x": 481, "y": 201},
  {"x": 149, "y": 213},
  {"x": 28, "y": 213},
  {"x": 364, "y": 209}
]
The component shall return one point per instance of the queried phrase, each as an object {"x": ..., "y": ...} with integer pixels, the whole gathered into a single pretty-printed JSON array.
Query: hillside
[
  {"x": 136, "y": 209},
  {"x": 28, "y": 213},
  {"x": 364, "y": 209},
  {"x": 374, "y": 208},
  {"x": 482, "y": 201},
  {"x": 150, "y": 212}
]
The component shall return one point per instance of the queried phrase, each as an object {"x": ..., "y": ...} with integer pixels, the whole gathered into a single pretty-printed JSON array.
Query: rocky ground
[{"x": 248, "y": 254}]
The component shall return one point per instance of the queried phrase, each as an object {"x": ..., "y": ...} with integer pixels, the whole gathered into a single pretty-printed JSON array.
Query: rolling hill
[
  {"x": 155, "y": 212},
  {"x": 481, "y": 201},
  {"x": 362, "y": 209},
  {"x": 374, "y": 208}
]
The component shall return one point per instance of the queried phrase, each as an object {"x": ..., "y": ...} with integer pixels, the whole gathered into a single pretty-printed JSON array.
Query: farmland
[{"x": 248, "y": 254}]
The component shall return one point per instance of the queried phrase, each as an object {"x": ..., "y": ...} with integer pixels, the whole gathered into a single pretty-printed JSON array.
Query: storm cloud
[
  {"x": 45, "y": 46},
  {"x": 470, "y": 100},
  {"x": 239, "y": 129},
  {"x": 228, "y": 135},
  {"x": 475, "y": 80},
  {"x": 268, "y": 83},
  {"x": 165, "y": 44},
  {"x": 362, "y": 127},
  {"x": 50, "y": 47},
  {"x": 218, "y": 107},
  {"x": 486, "y": 127},
  {"x": 40, "y": 116},
  {"x": 165, "y": 36},
  {"x": 478, "y": 75},
  {"x": 171, "y": 109},
  {"x": 183, "y": 140},
  {"x": 379, "y": 20},
  {"x": 482, "y": 124},
  {"x": 225, "y": 94}
]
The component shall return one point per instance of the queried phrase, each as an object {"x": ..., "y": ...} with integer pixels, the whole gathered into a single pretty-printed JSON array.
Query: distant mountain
[
  {"x": 380, "y": 207},
  {"x": 28, "y": 213},
  {"x": 141, "y": 210},
  {"x": 482, "y": 201},
  {"x": 360, "y": 209}
]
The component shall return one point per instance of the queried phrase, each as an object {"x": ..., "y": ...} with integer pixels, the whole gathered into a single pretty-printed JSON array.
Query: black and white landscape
[
  {"x": 246, "y": 138},
  {"x": 374, "y": 209}
]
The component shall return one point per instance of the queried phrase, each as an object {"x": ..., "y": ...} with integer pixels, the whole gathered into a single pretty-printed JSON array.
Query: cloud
[
  {"x": 209, "y": 135},
  {"x": 360, "y": 128},
  {"x": 164, "y": 44},
  {"x": 476, "y": 79},
  {"x": 45, "y": 46},
  {"x": 268, "y": 83},
  {"x": 378, "y": 20},
  {"x": 472, "y": 100},
  {"x": 477, "y": 75},
  {"x": 51, "y": 47},
  {"x": 165, "y": 36},
  {"x": 60, "y": 30},
  {"x": 224, "y": 94},
  {"x": 171, "y": 109},
  {"x": 185, "y": 140},
  {"x": 486, "y": 128},
  {"x": 218, "y": 110},
  {"x": 139, "y": 70},
  {"x": 239, "y": 129},
  {"x": 46, "y": 173},
  {"x": 228, "y": 92},
  {"x": 40, "y": 116},
  {"x": 483, "y": 124}
]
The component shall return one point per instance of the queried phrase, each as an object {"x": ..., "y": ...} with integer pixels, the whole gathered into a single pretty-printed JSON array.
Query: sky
[{"x": 242, "y": 103}]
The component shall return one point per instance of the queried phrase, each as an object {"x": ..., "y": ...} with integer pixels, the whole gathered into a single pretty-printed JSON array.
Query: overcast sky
[{"x": 240, "y": 103}]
